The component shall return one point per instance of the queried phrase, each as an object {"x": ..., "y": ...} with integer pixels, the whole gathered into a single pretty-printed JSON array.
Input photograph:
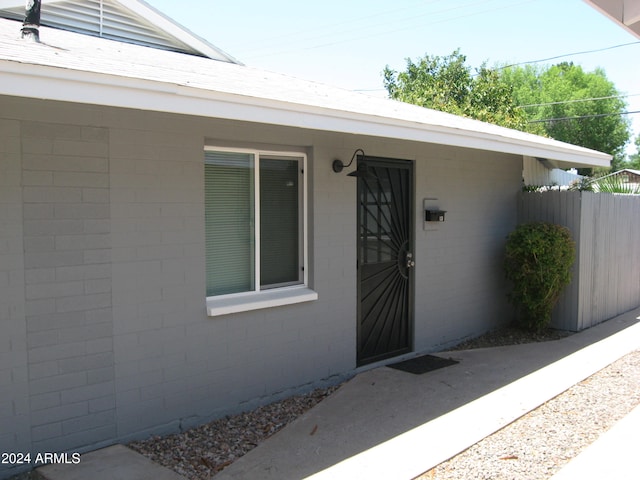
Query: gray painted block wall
[
  {"x": 15, "y": 432},
  {"x": 65, "y": 191},
  {"x": 459, "y": 281},
  {"x": 103, "y": 260}
]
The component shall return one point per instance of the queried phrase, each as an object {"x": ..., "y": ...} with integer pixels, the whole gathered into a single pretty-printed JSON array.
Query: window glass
[
  {"x": 279, "y": 222},
  {"x": 254, "y": 241},
  {"x": 229, "y": 222}
]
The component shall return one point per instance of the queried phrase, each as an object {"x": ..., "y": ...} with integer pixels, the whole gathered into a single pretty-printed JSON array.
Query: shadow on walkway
[{"x": 386, "y": 423}]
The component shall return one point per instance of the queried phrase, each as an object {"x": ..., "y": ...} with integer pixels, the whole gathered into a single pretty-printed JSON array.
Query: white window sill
[{"x": 244, "y": 302}]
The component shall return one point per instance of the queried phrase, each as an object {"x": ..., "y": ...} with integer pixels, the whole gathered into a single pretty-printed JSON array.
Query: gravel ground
[
  {"x": 533, "y": 447},
  {"x": 201, "y": 452},
  {"x": 511, "y": 336},
  {"x": 562, "y": 427},
  {"x": 540, "y": 443}
]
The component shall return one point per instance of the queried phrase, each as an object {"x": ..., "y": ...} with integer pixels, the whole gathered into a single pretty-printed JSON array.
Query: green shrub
[
  {"x": 538, "y": 262},
  {"x": 583, "y": 184},
  {"x": 615, "y": 184}
]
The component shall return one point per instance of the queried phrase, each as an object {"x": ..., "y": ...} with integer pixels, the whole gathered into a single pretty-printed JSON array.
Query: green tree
[
  {"x": 492, "y": 101},
  {"x": 447, "y": 84},
  {"x": 634, "y": 158},
  {"x": 562, "y": 101},
  {"x": 441, "y": 83},
  {"x": 566, "y": 103}
]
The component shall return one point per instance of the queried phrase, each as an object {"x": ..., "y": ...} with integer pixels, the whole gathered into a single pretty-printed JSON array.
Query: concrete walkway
[
  {"x": 389, "y": 424},
  {"x": 112, "y": 463}
]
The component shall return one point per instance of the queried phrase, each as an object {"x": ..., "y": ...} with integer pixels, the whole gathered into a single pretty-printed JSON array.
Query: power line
[
  {"x": 562, "y": 102},
  {"x": 393, "y": 29},
  {"x": 325, "y": 30},
  {"x": 388, "y": 32},
  {"x": 569, "y": 55},
  {"x": 578, "y": 100},
  {"x": 381, "y": 32},
  {"x": 562, "y": 56},
  {"x": 580, "y": 117}
]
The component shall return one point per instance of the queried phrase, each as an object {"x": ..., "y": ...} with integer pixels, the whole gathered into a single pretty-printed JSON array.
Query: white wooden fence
[{"x": 606, "y": 273}]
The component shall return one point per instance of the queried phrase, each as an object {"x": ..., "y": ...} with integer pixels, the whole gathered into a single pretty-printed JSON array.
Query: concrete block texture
[
  {"x": 66, "y": 226},
  {"x": 15, "y": 434},
  {"x": 105, "y": 335}
]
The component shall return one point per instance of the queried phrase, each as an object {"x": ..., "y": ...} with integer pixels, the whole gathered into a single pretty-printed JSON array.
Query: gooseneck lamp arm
[{"x": 338, "y": 166}]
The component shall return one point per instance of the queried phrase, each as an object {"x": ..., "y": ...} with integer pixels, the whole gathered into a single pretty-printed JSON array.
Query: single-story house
[
  {"x": 626, "y": 180},
  {"x": 183, "y": 236},
  {"x": 628, "y": 176}
]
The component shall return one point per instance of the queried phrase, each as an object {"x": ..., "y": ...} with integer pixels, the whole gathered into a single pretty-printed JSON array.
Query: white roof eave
[{"x": 70, "y": 85}]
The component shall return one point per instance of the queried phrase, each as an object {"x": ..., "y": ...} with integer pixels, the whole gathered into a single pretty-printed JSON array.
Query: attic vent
[{"x": 104, "y": 18}]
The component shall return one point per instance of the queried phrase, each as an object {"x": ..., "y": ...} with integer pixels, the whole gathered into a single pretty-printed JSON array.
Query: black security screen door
[{"x": 385, "y": 259}]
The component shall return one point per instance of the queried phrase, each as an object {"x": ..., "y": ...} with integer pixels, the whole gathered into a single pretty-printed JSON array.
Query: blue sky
[{"x": 347, "y": 43}]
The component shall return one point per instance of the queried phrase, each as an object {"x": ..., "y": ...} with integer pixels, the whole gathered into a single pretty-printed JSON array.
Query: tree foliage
[
  {"x": 492, "y": 101},
  {"x": 566, "y": 103},
  {"x": 447, "y": 84},
  {"x": 634, "y": 158},
  {"x": 561, "y": 101}
]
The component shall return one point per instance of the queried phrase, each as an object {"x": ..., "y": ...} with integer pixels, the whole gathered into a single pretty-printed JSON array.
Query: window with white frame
[{"x": 254, "y": 222}]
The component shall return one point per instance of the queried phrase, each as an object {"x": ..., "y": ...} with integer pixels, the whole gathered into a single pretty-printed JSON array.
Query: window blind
[{"x": 229, "y": 222}]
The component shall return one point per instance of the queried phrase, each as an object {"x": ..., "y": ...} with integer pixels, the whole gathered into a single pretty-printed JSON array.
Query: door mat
[{"x": 423, "y": 364}]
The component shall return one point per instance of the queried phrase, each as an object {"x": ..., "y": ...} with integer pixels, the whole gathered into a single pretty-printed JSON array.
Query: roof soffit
[{"x": 625, "y": 13}]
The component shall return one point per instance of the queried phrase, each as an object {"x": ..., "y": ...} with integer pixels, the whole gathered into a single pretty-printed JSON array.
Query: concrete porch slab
[{"x": 386, "y": 423}]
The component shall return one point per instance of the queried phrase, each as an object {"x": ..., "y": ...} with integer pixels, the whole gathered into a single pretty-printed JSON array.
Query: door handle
[{"x": 410, "y": 262}]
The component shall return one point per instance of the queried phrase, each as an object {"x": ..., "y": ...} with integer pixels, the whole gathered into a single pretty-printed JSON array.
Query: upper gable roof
[
  {"x": 133, "y": 21},
  {"x": 91, "y": 70}
]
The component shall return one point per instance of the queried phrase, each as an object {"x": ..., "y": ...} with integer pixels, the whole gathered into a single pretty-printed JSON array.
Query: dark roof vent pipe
[{"x": 31, "y": 24}]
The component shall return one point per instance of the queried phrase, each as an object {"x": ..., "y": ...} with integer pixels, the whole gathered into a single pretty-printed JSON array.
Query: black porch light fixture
[{"x": 361, "y": 171}]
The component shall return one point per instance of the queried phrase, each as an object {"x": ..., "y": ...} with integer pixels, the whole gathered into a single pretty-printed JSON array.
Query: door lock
[{"x": 410, "y": 262}]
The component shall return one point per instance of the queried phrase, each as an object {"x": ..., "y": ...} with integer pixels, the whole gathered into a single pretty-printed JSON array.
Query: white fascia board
[
  {"x": 164, "y": 22},
  {"x": 7, "y": 4},
  {"x": 67, "y": 85}
]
